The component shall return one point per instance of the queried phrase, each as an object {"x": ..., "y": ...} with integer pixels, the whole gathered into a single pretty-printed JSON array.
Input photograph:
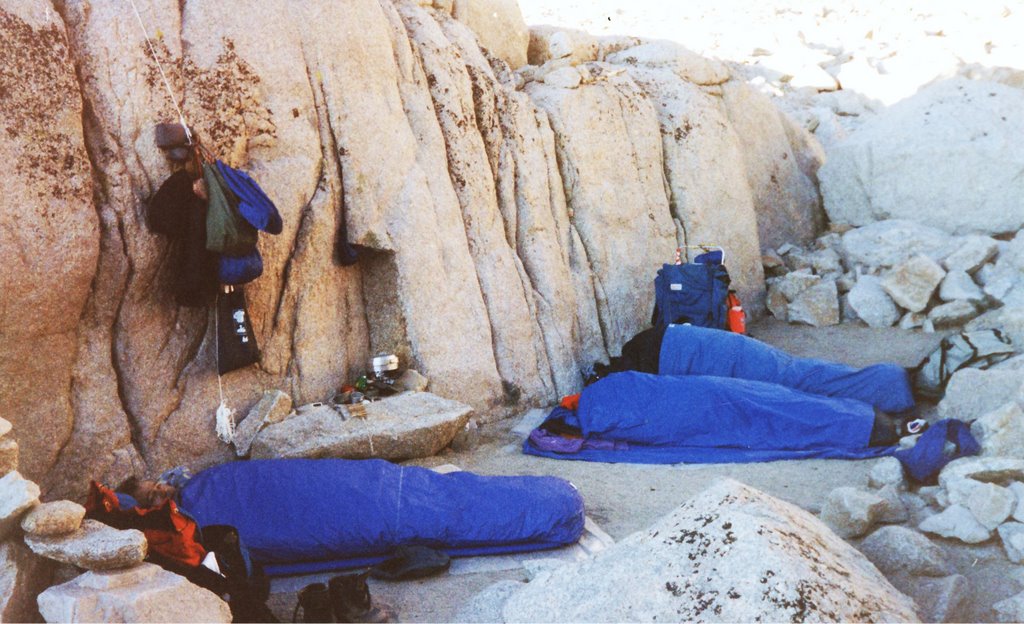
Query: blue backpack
[{"x": 695, "y": 293}]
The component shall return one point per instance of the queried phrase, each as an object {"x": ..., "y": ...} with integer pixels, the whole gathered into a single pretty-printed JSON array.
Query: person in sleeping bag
[
  {"x": 640, "y": 417},
  {"x": 306, "y": 515},
  {"x": 689, "y": 350}
]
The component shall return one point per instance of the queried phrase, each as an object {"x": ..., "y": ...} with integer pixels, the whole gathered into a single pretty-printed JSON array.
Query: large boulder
[
  {"x": 94, "y": 546},
  {"x": 729, "y": 554},
  {"x": 499, "y": 25},
  {"x": 145, "y": 593},
  {"x": 871, "y": 303},
  {"x": 409, "y": 425},
  {"x": 888, "y": 243},
  {"x": 927, "y": 158}
]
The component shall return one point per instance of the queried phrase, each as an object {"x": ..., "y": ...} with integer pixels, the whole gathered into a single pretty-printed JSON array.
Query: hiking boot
[
  {"x": 350, "y": 598},
  {"x": 315, "y": 602}
]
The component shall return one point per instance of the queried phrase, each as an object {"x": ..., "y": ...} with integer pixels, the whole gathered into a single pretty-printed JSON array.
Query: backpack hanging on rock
[
  {"x": 976, "y": 349},
  {"x": 695, "y": 292}
]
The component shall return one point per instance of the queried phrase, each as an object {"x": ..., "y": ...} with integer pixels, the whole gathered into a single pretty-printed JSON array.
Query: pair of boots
[{"x": 345, "y": 598}]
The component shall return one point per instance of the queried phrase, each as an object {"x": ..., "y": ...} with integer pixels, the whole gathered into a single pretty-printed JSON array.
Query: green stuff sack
[
  {"x": 227, "y": 232},
  {"x": 976, "y": 349}
]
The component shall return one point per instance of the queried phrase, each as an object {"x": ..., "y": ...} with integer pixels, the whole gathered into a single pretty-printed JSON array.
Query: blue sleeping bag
[
  {"x": 660, "y": 419},
  {"x": 688, "y": 350},
  {"x": 307, "y": 515}
]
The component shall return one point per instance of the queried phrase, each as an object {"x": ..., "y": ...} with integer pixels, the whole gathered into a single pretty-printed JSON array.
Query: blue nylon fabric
[
  {"x": 927, "y": 457},
  {"x": 253, "y": 204},
  {"x": 702, "y": 419},
  {"x": 314, "y": 511},
  {"x": 236, "y": 270},
  {"x": 700, "y": 294},
  {"x": 689, "y": 350}
]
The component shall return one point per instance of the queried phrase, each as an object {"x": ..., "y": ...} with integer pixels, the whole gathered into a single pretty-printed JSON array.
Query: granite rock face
[
  {"x": 730, "y": 554},
  {"x": 509, "y": 228}
]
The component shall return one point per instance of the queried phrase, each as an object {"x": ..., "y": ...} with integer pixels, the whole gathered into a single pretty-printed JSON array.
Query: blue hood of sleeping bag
[
  {"x": 253, "y": 204},
  {"x": 237, "y": 270},
  {"x": 926, "y": 459}
]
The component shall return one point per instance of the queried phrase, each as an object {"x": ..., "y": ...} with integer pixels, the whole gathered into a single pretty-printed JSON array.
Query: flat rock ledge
[
  {"x": 406, "y": 426},
  {"x": 94, "y": 546}
]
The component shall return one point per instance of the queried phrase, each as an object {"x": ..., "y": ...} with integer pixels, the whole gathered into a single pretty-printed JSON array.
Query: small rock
[
  {"x": 933, "y": 495},
  {"x": 958, "y": 285},
  {"x": 851, "y": 512},
  {"x": 773, "y": 264},
  {"x": 1012, "y": 534},
  {"x": 799, "y": 260},
  {"x": 817, "y": 306},
  {"x": 956, "y": 522},
  {"x": 792, "y": 284},
  {"x": 17, "y": 495},
  {"x": 912, "y": 320},
  {"x": 985, "y": 469},
  {"x": 1018, "y": 490},
  {"x": 5, "y": 427},
  {"x": 974, "y": 252},
  {"x": 846, "y": 282},
  {"x": 1011, "y": 609},
  {"x": 959, "y": 491},
  {"x": 893, "y": 510},
  {"x": 896, "y": 549},
  {"x": 911, "y": 283},
  {"x": 786, "y": 248},
  {"x": 1001, "y": 431},
  {"x": 94, "y": 546},
  {"x": 872, "y": 304},
  {"x": 777, "y": 303},
  {"x": 1008, "y": 319},
  {"x": 825, "y": 261},
  {"x": 991, "y": 504},
  {"x": 144, "y": 593},
  {"x": 56, "y": 518},
  {"x": 8, "y": 455},
  {"x": 952, "y": 314},
  {"x": 972, "y": 393},
  {"x": 412, "y": 381},
  {"x": 563, "y": 77},
  {"x": 846, "y": 312},
  {"x": 938, "y": 599},
  {"x": 887, "y": 471}
]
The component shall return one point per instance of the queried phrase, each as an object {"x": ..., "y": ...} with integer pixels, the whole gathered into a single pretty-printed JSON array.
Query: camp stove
[{"x": 384, "y": 366}]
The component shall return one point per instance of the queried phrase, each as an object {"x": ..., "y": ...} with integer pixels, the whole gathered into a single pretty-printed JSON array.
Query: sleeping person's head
[{"x": 146, "y": 492}]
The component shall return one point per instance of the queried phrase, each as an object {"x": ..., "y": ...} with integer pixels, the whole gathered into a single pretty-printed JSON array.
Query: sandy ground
[{"x": 625, "y": 498}]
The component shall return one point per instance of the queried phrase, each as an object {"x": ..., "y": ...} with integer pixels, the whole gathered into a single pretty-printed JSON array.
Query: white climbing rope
[
  {"x": 159, "y": 66},
  {"x": 225, "y": 426}
]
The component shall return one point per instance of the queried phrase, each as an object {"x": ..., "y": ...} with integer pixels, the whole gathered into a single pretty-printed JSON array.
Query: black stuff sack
[{"x": 236, "y": 342}]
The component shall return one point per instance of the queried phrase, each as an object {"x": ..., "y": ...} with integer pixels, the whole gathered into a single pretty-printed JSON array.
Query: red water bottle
[{"x": 737, "y": 318}]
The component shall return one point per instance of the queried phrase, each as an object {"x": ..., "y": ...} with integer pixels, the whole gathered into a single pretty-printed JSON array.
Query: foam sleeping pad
[
  {"x": 307, "y": 515},
  {"x": 688, "y": 350}
]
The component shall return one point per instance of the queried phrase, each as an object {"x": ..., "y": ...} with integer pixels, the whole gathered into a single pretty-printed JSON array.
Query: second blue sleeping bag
[{"x": 688, "y": 350}]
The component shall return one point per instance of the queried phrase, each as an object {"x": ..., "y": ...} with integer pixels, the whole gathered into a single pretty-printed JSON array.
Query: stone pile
[
  {"x": 899, "y": 272},
  {"x": 116, "y": 586}
]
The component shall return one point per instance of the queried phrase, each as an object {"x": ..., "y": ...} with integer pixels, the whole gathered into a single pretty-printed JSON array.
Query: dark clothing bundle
[{"x": 214, "y": 242}]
